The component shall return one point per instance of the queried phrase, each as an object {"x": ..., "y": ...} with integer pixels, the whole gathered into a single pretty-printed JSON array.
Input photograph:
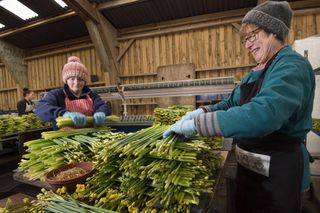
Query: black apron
[{"x": 280, "y": 192}]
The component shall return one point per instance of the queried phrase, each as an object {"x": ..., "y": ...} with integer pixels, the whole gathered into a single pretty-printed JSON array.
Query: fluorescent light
[
  {"x": 61, "y": 3},
  {"x": 18, "y": 9},
  {"x": 2, "y": 26}
]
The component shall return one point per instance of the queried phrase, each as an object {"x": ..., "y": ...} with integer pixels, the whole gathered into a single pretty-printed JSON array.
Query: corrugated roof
[
  {"x": 44, "y": 9},
  {"x": 129, "y": 15},
  {"x": 153, "y": 11},
  {"x": 69, "y": 28}
]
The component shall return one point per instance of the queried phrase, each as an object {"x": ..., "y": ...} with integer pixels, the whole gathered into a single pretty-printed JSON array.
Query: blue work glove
[
  {"x": 182, "y": 127},
  {"x": 77, "y": 118},
  {"x": 192, "y": 114},
  {"x": 99, "y": 118}
]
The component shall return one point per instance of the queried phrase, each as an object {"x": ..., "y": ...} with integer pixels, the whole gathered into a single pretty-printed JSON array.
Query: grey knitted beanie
[{"x": 272, "y": 16}]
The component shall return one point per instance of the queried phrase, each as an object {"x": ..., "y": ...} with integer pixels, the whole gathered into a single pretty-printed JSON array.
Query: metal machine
[{"x": 208, "y": 86}]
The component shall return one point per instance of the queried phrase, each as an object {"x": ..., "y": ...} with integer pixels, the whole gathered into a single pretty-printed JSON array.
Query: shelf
[
  {"x": 8, "y": 150},
  {"x": 209, "y": 86},
  {"x": 203, "y": 101},
  {"x": 140, "y": 104}
]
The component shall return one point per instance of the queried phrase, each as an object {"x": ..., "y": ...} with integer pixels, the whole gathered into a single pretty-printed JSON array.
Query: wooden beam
[
  {"x": 109, "y": 35},
  {"x": 36, "y": 23},
  {"x": 236, "y": 25},
  {"x": 84, "y": 9},
  {"x": 239, "y": 13},
  {"x": 102, "y": 34},
  {"x": 69, "y": 49},
  {"x": 117, "y": 3},
  {"x": 297, "y": 5},
  {"x": 99, "y": 83},
  {"x": 179, "y": 29},
  {"x": 303, "y": 12},
  {"x": 196, "y": 70},
  {"x": 125, "y": 49},
  {"x": 59, "y": 45},
  {"x": 176, "y": 27},
  {"x": 185, "y": 21},
  {"x": 98, "y": 44},
  {"x": 8, "y": 89},
  {"x": 138, "y": 75},
  {"x": 224, "y": 68}
]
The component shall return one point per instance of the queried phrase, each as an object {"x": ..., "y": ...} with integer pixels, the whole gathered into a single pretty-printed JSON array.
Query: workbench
[{"x": 14, "y": 141}]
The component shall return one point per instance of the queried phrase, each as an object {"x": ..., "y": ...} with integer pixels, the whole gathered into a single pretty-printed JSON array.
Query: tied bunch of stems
[
  {"x": 170, "y": 115},
  {"x": 175, "y": 172},
  {"x": 34, "y": 122},
  {"x": 49, "y": 201},
  {"x": 147, "y": 169},
  {"x": 12, "y": 124},
  {"x": 41, "y": 157},
  {"x": 109, "y": 176},
  {"x": 58, "y": 148},
  {"x": 63, "y": 122},
  {"x": 316, "y": 125}
]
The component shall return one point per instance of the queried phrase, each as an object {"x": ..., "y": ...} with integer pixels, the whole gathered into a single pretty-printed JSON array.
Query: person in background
[
  {"x": 26, "y": 105},
  {"x": 268, "y": 114},
  {"x": 75, "y": 100}
]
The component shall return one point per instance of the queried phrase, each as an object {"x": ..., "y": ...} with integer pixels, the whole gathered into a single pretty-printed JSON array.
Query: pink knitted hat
[{"x": 74, "y": 68}]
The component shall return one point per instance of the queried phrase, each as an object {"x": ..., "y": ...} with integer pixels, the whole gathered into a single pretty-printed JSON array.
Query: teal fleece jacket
[{"x": 283, "y": 104}]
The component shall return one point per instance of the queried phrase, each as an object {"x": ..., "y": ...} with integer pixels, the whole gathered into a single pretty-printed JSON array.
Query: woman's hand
[
  {"x": 99, "y": 118},
  {"x": 77, "y": 118}
]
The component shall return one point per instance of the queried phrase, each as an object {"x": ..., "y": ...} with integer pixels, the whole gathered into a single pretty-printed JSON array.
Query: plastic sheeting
[{"x": 309, "y": 48}]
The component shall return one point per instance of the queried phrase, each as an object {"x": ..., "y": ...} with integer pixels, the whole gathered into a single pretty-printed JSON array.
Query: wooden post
[
  {"x": 103, "y": 36},
  {"x": 236, "y": 25},
  {"x": 84, "y": 9},
  {"x": 125, "y": 49},
  {"x": 19, "y": 92},
  {"x": 109, "y": 35},
  {"x": 98, "y": 44}
]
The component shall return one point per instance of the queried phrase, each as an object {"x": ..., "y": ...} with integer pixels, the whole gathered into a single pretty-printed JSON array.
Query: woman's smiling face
[
  {"x": 76, "y": 85},
  {"x": 260, "y": 43}
]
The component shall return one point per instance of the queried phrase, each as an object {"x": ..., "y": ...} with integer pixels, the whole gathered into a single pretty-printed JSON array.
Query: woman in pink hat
[{"x": 75, "y": 100}]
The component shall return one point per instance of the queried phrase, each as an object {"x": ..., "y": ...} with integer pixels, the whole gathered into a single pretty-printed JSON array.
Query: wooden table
[
  {"x": 16, "y": 199},
  {"x": 18, "y": 176}
]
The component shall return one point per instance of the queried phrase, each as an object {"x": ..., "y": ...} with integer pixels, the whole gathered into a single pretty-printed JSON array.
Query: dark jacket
[
  {"x": 52, "y": 105},
  {"x": 21, "y": 106}
]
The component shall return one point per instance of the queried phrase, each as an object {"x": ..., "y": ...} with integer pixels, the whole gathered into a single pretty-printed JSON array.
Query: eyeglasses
[{"x": 251, "y": 36}]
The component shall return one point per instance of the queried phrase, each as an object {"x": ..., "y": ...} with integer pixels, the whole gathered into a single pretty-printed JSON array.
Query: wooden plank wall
[
  {"x": 8, "y": 90},
  {"x": 46, "y": 72},
  {"x": 216, "y": 51}
]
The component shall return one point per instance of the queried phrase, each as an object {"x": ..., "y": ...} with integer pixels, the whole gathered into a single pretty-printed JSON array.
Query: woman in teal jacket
[{"x": 268, "y": 114}]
